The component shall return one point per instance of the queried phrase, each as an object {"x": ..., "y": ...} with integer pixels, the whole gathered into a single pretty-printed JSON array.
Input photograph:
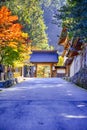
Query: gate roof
[{"x": 44, "y": 56}]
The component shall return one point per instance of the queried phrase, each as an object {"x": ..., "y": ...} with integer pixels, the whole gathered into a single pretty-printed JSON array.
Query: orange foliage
[
  {"x": 10, "y": 30},
  {"x": 11, "y": 34},
  {"x": 13, "y": 44},
  {"x": 5, "y": 16}
]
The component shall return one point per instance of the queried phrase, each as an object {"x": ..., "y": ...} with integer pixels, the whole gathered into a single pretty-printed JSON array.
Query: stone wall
[{"x": 80, "y": 78}]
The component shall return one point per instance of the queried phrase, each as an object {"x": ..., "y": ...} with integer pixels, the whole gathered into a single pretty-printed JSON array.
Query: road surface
[{"x": 43, "y": 104}]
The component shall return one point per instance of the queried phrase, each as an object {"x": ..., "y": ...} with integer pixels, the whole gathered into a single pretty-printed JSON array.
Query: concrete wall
[
  {"x": 75, "y": 65},
  {"x": 79, "y": 62},
  {"x": 72, "y": 69}
]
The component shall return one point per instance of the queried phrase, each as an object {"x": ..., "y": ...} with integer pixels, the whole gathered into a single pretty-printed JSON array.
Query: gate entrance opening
[{"x": 43, "y": 71}]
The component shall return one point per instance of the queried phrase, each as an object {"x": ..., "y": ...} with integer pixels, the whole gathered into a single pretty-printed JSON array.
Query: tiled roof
[{"x": 44, "y": 57}]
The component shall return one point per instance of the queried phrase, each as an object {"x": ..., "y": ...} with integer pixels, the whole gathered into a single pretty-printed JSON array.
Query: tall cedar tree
[{"x": 74, "y": 18}]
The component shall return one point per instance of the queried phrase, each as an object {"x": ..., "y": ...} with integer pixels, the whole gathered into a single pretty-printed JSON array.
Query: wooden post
[
  {"x": 36, "y": 71},
  {"x": 68, "y": 67},
  {"x": 23, "y": 71},
  {"x": 51, "y": 70},
  {"x": 67, "y": 70}
]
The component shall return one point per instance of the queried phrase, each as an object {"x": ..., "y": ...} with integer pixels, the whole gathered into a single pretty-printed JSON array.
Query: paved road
[{"x": 43, "y": 104}]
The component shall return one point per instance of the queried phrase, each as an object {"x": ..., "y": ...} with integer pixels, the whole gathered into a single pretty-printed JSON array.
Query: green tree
[
  {"x": 61, "y": 61},
  {"x": 31, "y": 17},
  {"x": 74, "y": 18}
]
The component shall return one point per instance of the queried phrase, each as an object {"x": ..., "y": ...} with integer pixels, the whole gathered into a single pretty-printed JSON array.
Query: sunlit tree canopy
[{"x": 12, "y": 39}]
